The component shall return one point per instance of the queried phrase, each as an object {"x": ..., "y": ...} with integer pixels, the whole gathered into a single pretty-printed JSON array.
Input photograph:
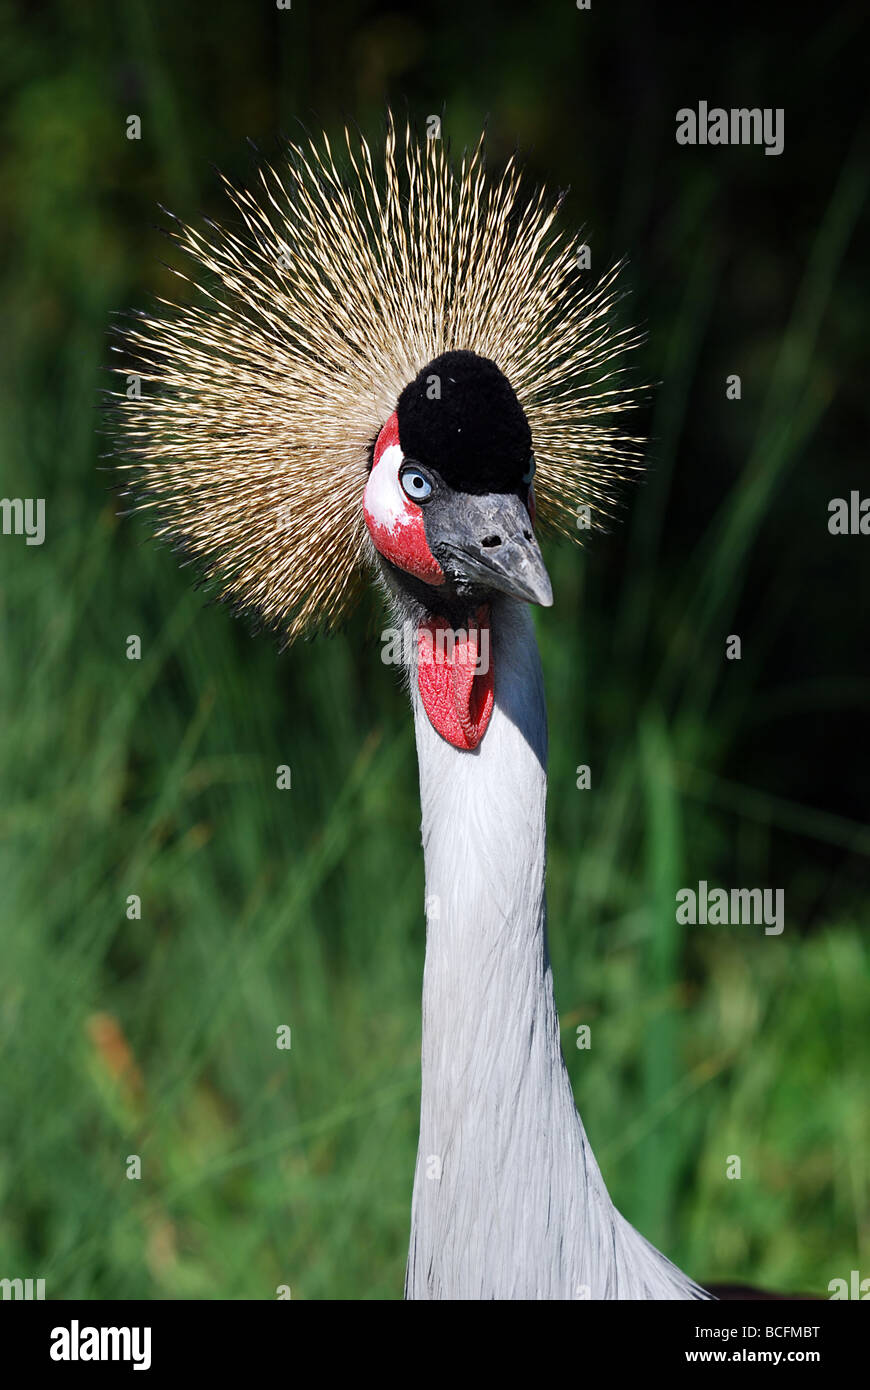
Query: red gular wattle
[
  {"x": 455, "y": 678},
  {"x": 395, "y": 522}
]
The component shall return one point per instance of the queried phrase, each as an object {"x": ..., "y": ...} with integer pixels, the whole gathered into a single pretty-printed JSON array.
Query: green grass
[{"x": 260, "y": 907}]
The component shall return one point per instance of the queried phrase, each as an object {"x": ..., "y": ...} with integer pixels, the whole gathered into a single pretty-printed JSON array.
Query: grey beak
[{"x": 491, "y": 543}]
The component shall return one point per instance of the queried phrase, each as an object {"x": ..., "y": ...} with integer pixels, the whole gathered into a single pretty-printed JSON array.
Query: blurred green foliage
[{"x": 157, "y": 1037}]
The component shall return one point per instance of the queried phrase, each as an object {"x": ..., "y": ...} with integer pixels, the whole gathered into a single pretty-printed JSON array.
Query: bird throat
[{"x": 455, "y": 677}]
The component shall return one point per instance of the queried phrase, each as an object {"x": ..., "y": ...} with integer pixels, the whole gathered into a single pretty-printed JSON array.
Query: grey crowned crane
[{"x": 401, "y": 370}]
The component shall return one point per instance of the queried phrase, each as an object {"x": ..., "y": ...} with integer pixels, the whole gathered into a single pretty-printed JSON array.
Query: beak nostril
[{"x": 491, "y": 541}]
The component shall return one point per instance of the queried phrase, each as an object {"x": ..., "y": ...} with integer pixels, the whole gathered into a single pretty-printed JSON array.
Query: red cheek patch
[
  {"x": 404, "y": 544},
  {"x": 455, "y": 679},
  {"x": 395, "y": 522}
]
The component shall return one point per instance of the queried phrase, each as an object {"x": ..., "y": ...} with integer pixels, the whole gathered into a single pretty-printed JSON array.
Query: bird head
[
  {"x": 449, "y": 502},
  {"x": 396, "y": 364},
  {"x": 449, "y": 505}
]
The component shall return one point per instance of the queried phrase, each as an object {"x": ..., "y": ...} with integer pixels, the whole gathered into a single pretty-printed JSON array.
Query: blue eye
[
  {"x": 415, "y": 483},
  {"x": 530, "y": 471}
]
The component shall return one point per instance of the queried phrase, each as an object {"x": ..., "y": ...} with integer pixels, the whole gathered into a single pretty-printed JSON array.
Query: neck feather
[{"x": 508, "y": 1200}]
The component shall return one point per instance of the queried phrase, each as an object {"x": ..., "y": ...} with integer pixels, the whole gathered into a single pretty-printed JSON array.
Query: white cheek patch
[
  {"x": 386, "y": 505},
  {"x": 395, "y": 522}
]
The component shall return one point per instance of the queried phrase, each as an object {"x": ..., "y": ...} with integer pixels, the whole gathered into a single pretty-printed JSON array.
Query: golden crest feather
[{"x": 260, "y": 400}]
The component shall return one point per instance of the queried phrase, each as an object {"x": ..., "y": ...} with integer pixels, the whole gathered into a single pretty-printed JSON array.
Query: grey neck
[{"x": 508, "y": 1200}]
